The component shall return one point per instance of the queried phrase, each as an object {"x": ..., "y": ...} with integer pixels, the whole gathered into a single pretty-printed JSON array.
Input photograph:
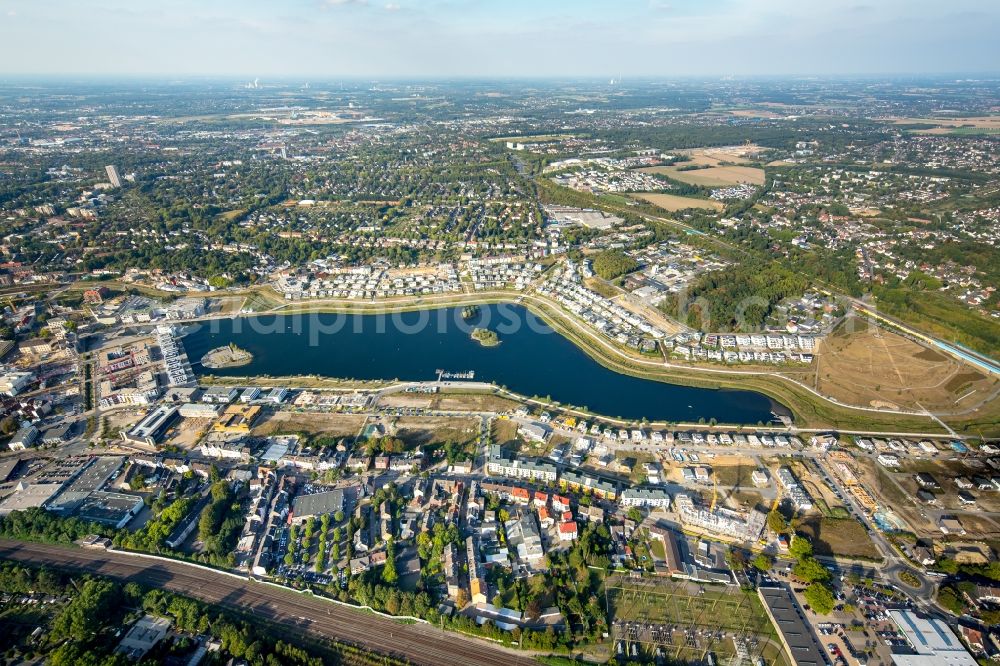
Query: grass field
[
  {"x": 734, "y": 474},
  {"x": 429, "y": 430},
  {"x": 688, "y": 621},
  {"x": 672, "y": 202},
  {"x": 334, "y": 425},
  {"x": 868, "y": 365},
  {"x": 845, "y": 537}
]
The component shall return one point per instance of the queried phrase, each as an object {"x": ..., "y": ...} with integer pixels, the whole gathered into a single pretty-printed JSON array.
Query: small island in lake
[
  {"x": 470, "y": 311},
  {"x": 485, "y": 337},
  {"x": 229, "y": 356}
]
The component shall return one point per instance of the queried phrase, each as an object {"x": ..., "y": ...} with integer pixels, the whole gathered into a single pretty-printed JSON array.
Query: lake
[{"x": 531, "y": 359}]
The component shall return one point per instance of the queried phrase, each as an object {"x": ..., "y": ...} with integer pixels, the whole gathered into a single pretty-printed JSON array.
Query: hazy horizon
[{"x": 518, "y": 39}]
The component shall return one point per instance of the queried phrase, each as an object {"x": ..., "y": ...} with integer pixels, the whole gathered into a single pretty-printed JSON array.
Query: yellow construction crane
[{"x": 715, "y": 491}]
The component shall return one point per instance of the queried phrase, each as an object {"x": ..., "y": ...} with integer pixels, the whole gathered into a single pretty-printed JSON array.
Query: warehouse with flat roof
[
  {"x": 798, "y": 639},
  {"x": 114, "y": 509},
  {"x": 317, "y": 504},
  {"x": 932, "y": 642}
]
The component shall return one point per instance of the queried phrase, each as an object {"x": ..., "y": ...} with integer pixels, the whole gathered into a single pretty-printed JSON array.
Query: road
[
  {"x": 301, "y": 613},
  {"x": 894, "y": 564}
]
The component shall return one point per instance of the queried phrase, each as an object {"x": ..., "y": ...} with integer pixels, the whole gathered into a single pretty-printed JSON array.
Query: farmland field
[
  {"x": 672, "y": 202},
  {"x": 979, "y": 122},
  {"x": 712, "y": 176},
  {"x": 719, "y": 166}
]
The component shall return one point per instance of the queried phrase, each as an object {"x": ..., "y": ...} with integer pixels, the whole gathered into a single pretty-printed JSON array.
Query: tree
[
  {"x": 613, "y": 263},
  {"x": 762, "y": 562},
  {"x": 8, "y": 425},
  {"x": 83, "y": 616},
  {"x": 776, "y": 522},
  {"x": 820, "y": 598},
  {"x": 389, "y": 573},
  {"x": 810, "y": 570},
  {"x": 533, "y": 610},
  {"x": 800, "y": 547},
  {"x": 461, "y": 598},
  {"x": 948, "y": 566}
]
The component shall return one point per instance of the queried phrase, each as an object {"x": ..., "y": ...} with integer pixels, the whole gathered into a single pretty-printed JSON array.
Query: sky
[{"x": 498, "y": 38}]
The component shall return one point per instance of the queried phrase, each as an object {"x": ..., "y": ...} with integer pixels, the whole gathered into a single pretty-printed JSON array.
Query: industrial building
[
  {"x": 28, "y": 496},
  {"x": 800, "y": 644},
  {"x": 931, "y": 642},
  {"x": 114, "y": 509},
  {"x": 92, "y": 475},
  {"x": 152, "y": 427},
  {"x": 199, "y": 410},
  {"x": 672, "y": 556}
]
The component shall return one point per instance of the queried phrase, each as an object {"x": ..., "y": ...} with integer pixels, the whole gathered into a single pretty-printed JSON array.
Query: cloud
[
  {"x": 392, "y": 7},
  {"x": 344, "y": 3}
]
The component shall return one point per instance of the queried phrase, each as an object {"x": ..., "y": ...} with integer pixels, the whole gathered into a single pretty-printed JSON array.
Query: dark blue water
[{"x": 531, "y": 360}]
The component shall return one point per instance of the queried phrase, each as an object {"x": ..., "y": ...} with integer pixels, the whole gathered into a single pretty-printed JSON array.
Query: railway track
[{"x": 303, "y": 614}]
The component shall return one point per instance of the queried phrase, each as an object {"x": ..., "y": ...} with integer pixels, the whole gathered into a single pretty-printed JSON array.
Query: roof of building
[
  {"x": 109, "y": 508},
  {"x": 28, "y": 496},
  {"x": 317, "y": 504},
  {"x": 153, "y": 421},
  {"x": 933, "y": 642},
  {"x": 25, "y": 435},
  {"x": 7, "y": 467},
  {"x": 795, "y": 632},
  {"x": 143, "y": 635}
]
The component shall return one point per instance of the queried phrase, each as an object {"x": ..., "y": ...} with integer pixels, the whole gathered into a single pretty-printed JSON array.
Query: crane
[{"x": 715, "y": 491}]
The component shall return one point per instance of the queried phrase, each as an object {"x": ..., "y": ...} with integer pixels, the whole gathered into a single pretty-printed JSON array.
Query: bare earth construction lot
[{"x": 874, "y": 367}]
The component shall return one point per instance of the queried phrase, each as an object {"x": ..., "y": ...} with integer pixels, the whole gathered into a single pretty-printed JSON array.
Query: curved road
[{"x": 301, "y": 613}]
